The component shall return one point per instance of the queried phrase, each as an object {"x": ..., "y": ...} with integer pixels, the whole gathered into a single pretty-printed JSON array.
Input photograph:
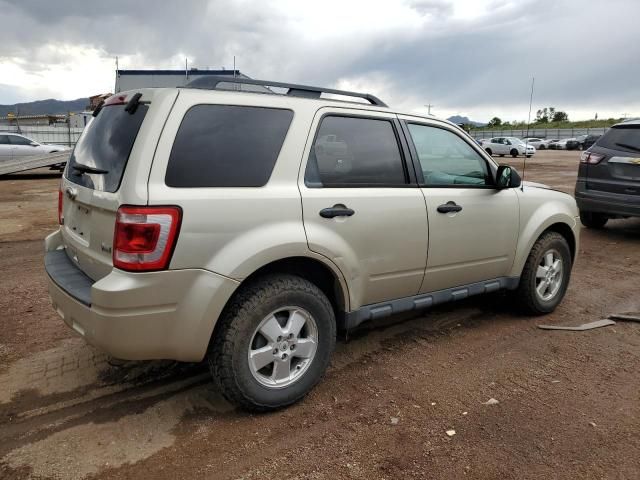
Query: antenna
[{"x": 526, "y": 142}]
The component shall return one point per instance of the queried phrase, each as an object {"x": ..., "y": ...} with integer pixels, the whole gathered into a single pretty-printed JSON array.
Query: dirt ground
[{"x": 568, "y": 402}]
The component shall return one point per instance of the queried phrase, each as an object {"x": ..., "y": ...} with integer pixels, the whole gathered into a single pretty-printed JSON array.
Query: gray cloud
[{"x": 582, "y": 54}]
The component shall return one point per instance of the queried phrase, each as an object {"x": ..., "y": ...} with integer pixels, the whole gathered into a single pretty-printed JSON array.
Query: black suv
[{"x": 608, "y": 184}]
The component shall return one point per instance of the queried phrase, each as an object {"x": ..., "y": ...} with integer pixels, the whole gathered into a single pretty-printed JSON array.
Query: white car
[
  {"x": 507, "y": 146},
  {"x": 538, "y": 143},
  {"x": 13, "y": 146},
  {"x": 560, "y": 144}
]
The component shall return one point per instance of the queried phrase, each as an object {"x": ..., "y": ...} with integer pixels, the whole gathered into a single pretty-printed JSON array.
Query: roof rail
[{"x": 211, "y": 82}]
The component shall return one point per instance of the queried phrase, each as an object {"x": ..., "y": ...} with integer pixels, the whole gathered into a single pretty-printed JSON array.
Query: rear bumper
[
  {"x": 138, "y": 316},
  {"x": 606, "y": 202}
]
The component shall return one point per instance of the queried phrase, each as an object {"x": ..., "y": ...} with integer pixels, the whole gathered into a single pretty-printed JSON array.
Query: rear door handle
[
  {"x": 336, "y": 211},
  {"x": 449, "y": 207}
]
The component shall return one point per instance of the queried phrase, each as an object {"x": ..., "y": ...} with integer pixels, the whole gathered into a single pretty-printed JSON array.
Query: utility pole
[
  {"x": 625, "y": 115},
  {"x": 428, "y": 105}
]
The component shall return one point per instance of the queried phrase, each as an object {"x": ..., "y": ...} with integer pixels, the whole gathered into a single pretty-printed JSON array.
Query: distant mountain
[
  {"x": 45, "y": 107},
  {"x": 458, "y": 119}
]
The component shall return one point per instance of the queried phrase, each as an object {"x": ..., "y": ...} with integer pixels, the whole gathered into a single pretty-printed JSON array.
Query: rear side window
[
  {"x": 18, "y": 140},
  {"x": 4, "y": 140},
  {"x": 355, "y": 152},
  {"x": 626, "y": 138},
  {"x": 227, "y": 146},
  {"x": 105, "y": 144}
]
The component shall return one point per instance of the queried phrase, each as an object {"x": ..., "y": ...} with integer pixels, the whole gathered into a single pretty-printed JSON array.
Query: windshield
[
  {"x": 623, "y": 137},
  {"x": 100, "y": 156}
]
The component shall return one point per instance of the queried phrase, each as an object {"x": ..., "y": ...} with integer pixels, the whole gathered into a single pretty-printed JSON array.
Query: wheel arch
[
  {"x": 327, "y": 277},
  {"x": 562, "y": 224}
]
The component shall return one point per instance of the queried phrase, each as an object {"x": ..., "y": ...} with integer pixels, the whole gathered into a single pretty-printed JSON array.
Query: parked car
[
  {"x": 559, "y": 144},
  {"x": 590, "y": 140},
  {"x": 608, "y": 184},
  {"x": 247, "y": 228},
  {"x": 13, "y": 146},
  {"x": 576, "y": 143},
  {"x": 538, "y": 143},
  {"x": 508, "y": 146}
]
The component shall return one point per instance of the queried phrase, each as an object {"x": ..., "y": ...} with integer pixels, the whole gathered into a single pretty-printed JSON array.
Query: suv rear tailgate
[{"x": 109, "y": 167}]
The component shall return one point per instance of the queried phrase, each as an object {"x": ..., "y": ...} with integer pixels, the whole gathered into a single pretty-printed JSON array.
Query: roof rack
[{"x": 211, "y": 82}]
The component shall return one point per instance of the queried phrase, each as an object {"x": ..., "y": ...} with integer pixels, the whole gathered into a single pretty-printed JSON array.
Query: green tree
[
  {"x": 542, "y": 116},
  {"x": 560, "y": 116},
  {"x": 494, "y": 122}
]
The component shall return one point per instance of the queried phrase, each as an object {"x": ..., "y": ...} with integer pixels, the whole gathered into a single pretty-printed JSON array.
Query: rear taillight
[
  {"x": 60, "y": 216},
  {"x": 590, "y": 157},
  {"x": 144, "y": 237}
]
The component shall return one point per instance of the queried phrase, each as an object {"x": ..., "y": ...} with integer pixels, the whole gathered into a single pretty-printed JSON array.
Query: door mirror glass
[{"x": 507, "y": 177}]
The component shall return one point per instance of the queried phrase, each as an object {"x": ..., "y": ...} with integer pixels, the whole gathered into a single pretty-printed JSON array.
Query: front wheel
[
  {"x": 514, "y": 152},
  {"x": 546, "y": 274},
  {"x": 273, "y": 344},
  {"x": 488, "y": 150}
]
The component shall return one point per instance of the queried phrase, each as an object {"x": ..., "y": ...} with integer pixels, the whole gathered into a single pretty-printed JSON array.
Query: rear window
[
  {"x": 626, "y": 138},
  {"x": 227, "y": 146},
  {"x": 105, "y": 144}
]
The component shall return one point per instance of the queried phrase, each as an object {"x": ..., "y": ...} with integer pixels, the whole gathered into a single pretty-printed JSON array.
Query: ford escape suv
[{"x": 247, "y": 228}]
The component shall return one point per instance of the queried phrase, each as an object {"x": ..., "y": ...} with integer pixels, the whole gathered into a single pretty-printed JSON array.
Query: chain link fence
[{"x": 59, "y": 133}]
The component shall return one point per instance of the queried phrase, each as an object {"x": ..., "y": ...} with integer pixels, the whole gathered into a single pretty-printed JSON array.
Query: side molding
[{"x": 426, "y": 300}]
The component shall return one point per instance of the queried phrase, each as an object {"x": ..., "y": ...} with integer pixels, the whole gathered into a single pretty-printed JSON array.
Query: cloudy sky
[{"x": 468, "y": 57}]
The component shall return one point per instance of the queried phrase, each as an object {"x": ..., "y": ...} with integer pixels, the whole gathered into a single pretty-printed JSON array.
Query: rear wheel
[
  {"x": 514, "y": 152},
  {"x": 593, "y": 220},
  {"x": 542, "y": 147},
  {"x": 546, "y": 274},
  {"x": 273, "y": 344}
]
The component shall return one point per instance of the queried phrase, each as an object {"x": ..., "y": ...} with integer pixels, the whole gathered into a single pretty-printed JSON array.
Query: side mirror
[
  {"x": 507, "y": 177},
  {"x": 34, "y": 144}
]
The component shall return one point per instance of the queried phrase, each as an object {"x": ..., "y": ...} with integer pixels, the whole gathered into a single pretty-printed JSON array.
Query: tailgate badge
[{"x": 105, "y": 248}]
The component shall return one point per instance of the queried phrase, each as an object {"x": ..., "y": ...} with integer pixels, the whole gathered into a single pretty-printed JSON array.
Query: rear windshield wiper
[
  {"x": 87, "y": 169},
  {"x": 630, "y": 147}
]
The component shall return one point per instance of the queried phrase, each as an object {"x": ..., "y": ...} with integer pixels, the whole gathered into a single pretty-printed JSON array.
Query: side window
[
  {"x": 446, "y": 159},
  {"x": 495, "y": 140},
  {"x": 227, "y": 146},
  {"x": 18, "y": 140},
  {"x": 352, "y": 152},
  {"x": 4, "y": 140}
]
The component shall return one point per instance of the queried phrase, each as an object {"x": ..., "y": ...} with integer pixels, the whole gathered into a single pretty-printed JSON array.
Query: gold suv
[{"x": 247, "y": 227}]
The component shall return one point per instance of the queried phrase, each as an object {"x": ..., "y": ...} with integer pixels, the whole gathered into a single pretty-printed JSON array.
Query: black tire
[
  {"x": 514, "y": 152},
  {"x": 228, "y": 352},
  {"x": 488, "y": 150},
  {"x": 593, "y": 219},
  {"x": 528, "y": 156},
  {"x": 526, "y": 295},
  {"x": 542, "y": 147}
]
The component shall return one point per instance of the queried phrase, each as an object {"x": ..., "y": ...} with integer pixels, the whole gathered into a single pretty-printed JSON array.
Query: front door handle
[
  {"x": 449, "y": 207},
  {"x": 338, "y": 210}
]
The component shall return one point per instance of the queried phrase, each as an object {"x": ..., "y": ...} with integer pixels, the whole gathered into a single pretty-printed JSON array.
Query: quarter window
[
  {"x": 446, "y": 159},
  {"x": 355, "y": 152},
  {"x": 227, "y": 146}
]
